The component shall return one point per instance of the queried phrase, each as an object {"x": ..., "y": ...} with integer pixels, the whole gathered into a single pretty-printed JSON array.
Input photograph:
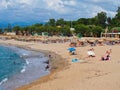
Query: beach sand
[{"x": 91, "y": 74}]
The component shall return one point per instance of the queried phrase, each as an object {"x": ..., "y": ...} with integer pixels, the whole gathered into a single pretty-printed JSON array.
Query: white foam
[
  {"x": 4, "y": 80},
  {"x": 23, "y": 70},
  {"x": 25, "y": 54},
  {"x": 27, "y": 62}
]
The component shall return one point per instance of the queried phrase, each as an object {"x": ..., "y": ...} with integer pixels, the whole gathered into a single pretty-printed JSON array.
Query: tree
[
  {"x": 1, "y": 31},
  {"x": 17, "y": 29},
  {"x": 60, "y": 22},
  {"x": 32, "y": 29},
  {"x": 38, "y": 24},
  {"x": 92, "y": 21},
  {"x": 5, "y": 29},
  {"x": 9, "y": 27},
  {"x": 118, "y": 9},
  {"x": 118, "y": 13},
  {"x": 65, "y": 31},
  {"x": 52, "y": 22},
  {"x": 116, "y": 20},
  {"x": 26, "y": 31},
  {"x": 101, "y": 19},
  {"x": 83, "y": 29},
  {"x": 84, "y": 21},
  {"x": 109, "y": 21},
  {"x": 96, "y": 31}
]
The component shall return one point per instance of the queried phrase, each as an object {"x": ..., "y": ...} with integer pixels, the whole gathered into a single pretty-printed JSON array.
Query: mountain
[
  {"x": 22, "y": 24},
  {"x": 3, "y": 25}
]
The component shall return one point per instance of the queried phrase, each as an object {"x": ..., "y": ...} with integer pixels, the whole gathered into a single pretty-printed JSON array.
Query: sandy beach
[{"x": 91, "y": 74}]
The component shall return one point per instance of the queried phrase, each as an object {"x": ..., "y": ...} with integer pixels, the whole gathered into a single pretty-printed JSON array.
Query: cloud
[
  {"x": 113, "y": 3},
  {"x": 56, "y": 5},
  {"x": 41, "y": 10},
  {"x": 70, "y": 2},
  {"x": 97, "y": 9},
  {"x": 59, "y": 6},
  {"x": 4, "y": 4}
]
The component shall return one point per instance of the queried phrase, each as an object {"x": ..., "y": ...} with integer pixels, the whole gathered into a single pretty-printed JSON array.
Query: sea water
[
  {"x": 10, "y": 63},
  {"x": 20, "y": 66}
]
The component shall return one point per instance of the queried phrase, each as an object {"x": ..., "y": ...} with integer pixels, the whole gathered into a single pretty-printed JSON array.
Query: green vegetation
[{"x": 90, "y": 27}]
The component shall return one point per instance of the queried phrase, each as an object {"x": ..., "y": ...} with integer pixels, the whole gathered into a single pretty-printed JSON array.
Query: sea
[{"x": 20, "y": 66}]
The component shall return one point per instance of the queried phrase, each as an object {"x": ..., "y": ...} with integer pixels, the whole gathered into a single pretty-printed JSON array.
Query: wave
[
  {"x": 23, "y": 70},
  {"x": 4, "y": 80},
  {"x": 27, "y": 62}
]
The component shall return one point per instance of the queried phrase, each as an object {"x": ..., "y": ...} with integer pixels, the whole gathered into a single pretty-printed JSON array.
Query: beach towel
[{"x": 77, "y": 60}]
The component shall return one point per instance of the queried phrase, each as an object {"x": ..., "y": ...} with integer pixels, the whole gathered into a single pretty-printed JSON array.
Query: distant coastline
[{"x": 22, "y": 24}]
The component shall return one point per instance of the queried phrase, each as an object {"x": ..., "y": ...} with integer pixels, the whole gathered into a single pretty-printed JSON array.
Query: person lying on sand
[
  {"x": 91, "y": 52},
  {"x": 72, "y": 44},
  {"x": 107, "y": 55}
]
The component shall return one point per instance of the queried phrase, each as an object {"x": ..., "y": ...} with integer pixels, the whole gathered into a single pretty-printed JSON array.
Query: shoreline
[
  {"x": 55, "y": 67},
  {"x": 29, "y": 72},
  {"x": 56, "y": 63}
]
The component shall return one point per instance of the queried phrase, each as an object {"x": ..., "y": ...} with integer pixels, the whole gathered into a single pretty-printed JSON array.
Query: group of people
[
  {"x": 91, "y": 53},
  {"x": 106, "y": 56}
]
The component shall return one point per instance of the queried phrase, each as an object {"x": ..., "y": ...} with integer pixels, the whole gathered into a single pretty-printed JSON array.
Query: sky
[{"x": 35, "y": 11}]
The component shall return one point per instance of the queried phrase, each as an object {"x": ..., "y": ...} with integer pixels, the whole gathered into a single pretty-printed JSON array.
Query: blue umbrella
[{"x": 71, "y": 49}]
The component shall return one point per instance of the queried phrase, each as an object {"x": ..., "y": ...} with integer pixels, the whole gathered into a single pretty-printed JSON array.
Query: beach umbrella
[{"x": 71, "y": 49}]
